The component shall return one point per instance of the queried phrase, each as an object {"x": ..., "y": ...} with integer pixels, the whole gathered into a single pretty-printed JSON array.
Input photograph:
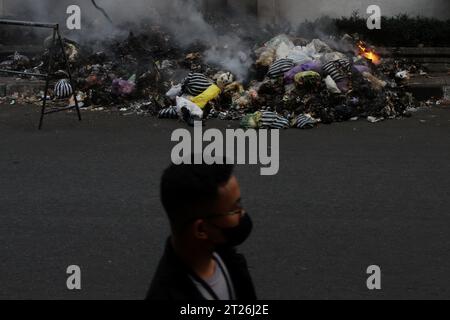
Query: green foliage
[{"x": 401, "y": 30}]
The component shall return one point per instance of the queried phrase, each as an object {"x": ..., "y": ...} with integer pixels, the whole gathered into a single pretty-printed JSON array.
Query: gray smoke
[
  {"x": 188, "y": 25},
  {"x": 182, "y": 18}
]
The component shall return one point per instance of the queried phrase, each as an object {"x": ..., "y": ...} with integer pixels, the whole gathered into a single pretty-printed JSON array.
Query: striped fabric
[
  {"x": 337, "y": 69},
  {"x": 195, "y": 84},
  {"x": 63, "y": 89},
  {"x": 168, "y": 113},
  {"x": 304, "y": 121},
  {"x": 271, "y": 120},
  {"x": 279, "y": 68}
]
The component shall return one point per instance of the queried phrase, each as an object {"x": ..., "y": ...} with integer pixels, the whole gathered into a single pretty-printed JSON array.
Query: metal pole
[
  {"x": 47, "y": 81},
  {"x": 28, "y": 24},
  {"x": 20, "y": 73},
  {"x": 66, "y": 61}
]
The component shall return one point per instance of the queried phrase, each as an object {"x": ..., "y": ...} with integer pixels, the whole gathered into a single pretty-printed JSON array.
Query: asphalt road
[{"x": 347, "y": 196}]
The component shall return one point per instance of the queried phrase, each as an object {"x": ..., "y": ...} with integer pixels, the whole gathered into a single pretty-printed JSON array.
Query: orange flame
[{"x": 369, "y": 54}]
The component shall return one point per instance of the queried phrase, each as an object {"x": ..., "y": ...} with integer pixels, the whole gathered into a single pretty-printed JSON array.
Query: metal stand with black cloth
[{"x": 57, "y": 42}]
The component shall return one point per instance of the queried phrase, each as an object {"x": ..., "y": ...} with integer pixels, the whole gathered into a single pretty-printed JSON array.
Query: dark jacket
[{"x": 172, "y": 282}]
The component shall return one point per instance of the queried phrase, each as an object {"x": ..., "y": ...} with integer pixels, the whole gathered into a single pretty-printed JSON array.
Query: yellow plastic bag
[{"x": 209, "y": 94}]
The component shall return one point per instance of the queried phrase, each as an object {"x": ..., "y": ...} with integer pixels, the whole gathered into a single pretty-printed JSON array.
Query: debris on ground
[{"x": 293, "y": 82}]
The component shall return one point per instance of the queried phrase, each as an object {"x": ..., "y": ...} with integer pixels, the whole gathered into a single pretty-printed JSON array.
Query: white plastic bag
[
  {"x": 189, "y": 105},
  {"x": 300, "y": 56},
  {"x": 278, "y": 40},
  {"x": 331, "y": 85},
  {"x": 402, "y": 75},
  {"x": 283, "y": 51},
  {"x": 318, "y": 46},
  {"x": 282, "y": 45},
  {"x": 174, "y": 92}
]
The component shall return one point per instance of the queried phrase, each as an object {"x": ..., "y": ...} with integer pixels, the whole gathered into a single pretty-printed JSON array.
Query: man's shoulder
[
  {"x": 161, "y": 288},
  {"x": 171, "y": 280},
  {"x": 237, "y": 266},
  {"x": 231, "y": 256}
]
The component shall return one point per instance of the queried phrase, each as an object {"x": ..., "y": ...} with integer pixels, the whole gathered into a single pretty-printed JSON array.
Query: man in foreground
[{"x": 203, "y": 203}]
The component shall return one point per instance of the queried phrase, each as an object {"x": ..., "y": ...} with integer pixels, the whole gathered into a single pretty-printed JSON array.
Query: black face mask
[{"x": 236, "y": 236}]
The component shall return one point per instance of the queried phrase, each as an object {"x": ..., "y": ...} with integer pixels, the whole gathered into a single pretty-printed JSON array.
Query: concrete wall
[
  {"x": 2, "y": 8},
  {"x": 269, "y": 11}
]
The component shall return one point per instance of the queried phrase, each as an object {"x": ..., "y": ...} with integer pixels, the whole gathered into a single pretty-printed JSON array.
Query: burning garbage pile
[
  {"x": 290, "y": 82},
  {"x": 310, "y": 83}
]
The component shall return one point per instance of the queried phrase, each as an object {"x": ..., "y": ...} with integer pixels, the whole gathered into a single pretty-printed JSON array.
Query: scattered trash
[
  {"x": 446, "y": 98},
  {"x": 174, "y": 92},
  {"x": 63, "y": 89},
  {"x": 374, "y": 119},
  {"x": 403, "y": 75},
  {"x": 377, "y": 84},
  {"x": 80, "y": 100},
  {"x": 192, "y": 107},
  {"x": 331, "y": 85},
  {"x": 291, "y": 82},
  {"x": 304, "y": 121},
  {"x": 280, "y": 67},
  {"x": 124, "y": 88},
  {"x": 208, "y": 95}
]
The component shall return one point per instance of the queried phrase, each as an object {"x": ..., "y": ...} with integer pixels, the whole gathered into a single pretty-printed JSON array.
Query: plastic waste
[
  {"x": 377, "y": 84},
  {"x": 307, "y": 78},
  {"x": 300, "y": 55},
  {"x": 194, "y": 109},
  {"x": 304, "y": 121},
  {"x": 175, "y": 91},
  {"x": 331, "y": 85},
  {"x": 225, "y": 79},
  {"x": 333, "y": 56},
  {"x": 266, "y": 57},
  {"x": 124, "y": 88},
  {"x": 204, "y": 98},
  {"x": 372, "y": 119},
  {"x": 318, "y": 46},
  {"x": 284, "y": 50},
  {"x": 402, "y": 75}
]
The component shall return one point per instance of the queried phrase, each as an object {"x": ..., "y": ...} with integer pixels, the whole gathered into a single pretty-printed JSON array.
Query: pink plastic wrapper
[{"x": 122, "y": 87}]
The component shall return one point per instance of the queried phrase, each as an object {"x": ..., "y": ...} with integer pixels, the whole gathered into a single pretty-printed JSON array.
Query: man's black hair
[{"x": 187, "y": 191}]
